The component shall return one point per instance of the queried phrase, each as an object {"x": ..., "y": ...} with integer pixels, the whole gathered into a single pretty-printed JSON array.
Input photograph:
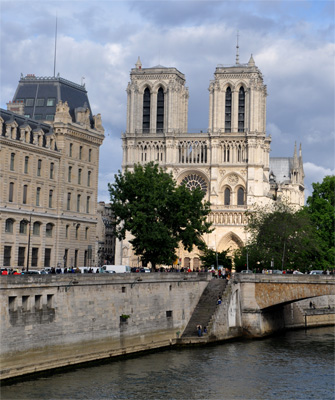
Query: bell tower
[{"x": 157, "y": 100}]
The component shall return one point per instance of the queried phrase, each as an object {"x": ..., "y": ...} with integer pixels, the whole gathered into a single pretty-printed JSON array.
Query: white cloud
[{"x": 292, "y": 44}]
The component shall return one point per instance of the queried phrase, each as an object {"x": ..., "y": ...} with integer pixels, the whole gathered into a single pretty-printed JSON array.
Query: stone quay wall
[{"x": 50, "y": 321}]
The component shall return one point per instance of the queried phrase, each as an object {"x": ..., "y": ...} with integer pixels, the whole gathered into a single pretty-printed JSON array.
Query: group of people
[
  {"x": 201, "y": 331},
  {"x": 6, "y": 271}
]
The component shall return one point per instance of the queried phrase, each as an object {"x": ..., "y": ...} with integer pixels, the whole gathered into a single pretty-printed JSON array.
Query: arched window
[
  {"x": 50, "y": 198},
  {"x": 26, "y": 164},
  {"x": 9, "y": 225},
  {"x": 68, "y": 203},
  {"x": 160, "y": 110},
  {"x": 38, "y": 196},
  {"x": 227, "y": 197},
  {"x": 39, "y": 167},
  {"x": 69, "y": 174},
  {"x": 12, "y": 161},
  {"x": 78, "y": 202},
  {"x": 48, "y": 230},
  {"x": 36, "y": 228},
  {"x": 228, "y": 110},
  {"x": 11, "y": 192},
  {"x": 240, "y": 197},
  {"x": 89, "y": 178},
  {"x": 52, "y": 170},
  {"x": 23, "y": 226},
  {"x": 87, "y": 204},
  {"x": 77, "y": 231},
  {"x": 146, "y": 111},
  {"x": 24, "y": 194},
  {"x": 79, "y": 176},
  {"x": 241, "y": 107}
]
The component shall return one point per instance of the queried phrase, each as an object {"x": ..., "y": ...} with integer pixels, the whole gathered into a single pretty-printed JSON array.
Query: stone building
[
  {"x": 230, "y": 162},
  {"x": 49, "y": 158},
  {"x": 105, "y": 234}
]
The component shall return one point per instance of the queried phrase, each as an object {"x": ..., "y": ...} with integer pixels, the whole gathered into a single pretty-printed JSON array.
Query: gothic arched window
[
  {"x": 228, "y": 110},
  {"x": 160, "y": 110},
  {"x": 240, "y": 197},
  {"x": 241, "y": 107},
  {"x": 146, "y": 111},
  {"x": 227, "y": 197}
]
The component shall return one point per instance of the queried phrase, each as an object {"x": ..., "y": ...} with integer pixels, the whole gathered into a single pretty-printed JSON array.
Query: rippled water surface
[{"x": 296, "y": 365}]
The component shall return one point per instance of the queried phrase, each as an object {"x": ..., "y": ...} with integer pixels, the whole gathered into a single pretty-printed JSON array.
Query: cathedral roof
[
  {"x": 40, "y": 96},
  {"x": 281, "y": 168}
]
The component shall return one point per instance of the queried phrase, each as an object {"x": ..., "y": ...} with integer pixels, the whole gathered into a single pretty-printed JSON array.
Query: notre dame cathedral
[{"x": 230, "y": 162}]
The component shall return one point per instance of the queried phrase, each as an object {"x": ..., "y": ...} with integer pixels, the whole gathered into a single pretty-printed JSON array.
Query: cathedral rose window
[{"x": 193, "y": 181}]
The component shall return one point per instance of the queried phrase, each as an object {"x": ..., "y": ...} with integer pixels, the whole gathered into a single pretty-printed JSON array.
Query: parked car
[
  {"x": 246, "y": 271},
  {"x": 296, "y": 272},
  {"x": 33, "y": 272},
  {"x": 277, "y": 271},
  {"x": 316, "y": 272}
]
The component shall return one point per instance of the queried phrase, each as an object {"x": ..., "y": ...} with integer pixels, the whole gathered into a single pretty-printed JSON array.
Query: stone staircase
[{"x": 206, "y": 307}]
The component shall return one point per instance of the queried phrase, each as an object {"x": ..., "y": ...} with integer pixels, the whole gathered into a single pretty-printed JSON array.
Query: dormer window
[
  {"x": 51, "y": 102},
  {"x": 39, "y": 102},
  {"x": 29, "y": 102}
]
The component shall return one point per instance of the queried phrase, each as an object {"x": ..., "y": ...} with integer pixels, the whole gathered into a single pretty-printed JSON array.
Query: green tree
[
  {"x": 247, "y": 256},
  {"x": 321, "y": 210},
  {"x": 282, "y": 235},
  {"x": 212, "y": 258},
  {"x": 159, "y": 214}
]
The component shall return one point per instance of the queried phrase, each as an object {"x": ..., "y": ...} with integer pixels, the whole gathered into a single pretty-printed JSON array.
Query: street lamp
[{"x": 29, "y": 242}]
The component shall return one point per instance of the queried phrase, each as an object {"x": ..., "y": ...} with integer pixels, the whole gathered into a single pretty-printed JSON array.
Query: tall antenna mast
[
  {"x": 55, "y": 48},
  {"x": 237, "y": 49}
]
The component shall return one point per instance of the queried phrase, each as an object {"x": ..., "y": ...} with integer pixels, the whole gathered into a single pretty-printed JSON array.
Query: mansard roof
[
  {"x": 45, "y": 92},
  {"x": 23, "y": 122}
]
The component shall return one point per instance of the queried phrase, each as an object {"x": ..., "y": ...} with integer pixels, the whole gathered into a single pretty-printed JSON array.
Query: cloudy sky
[{"x": 292, "y": 43}]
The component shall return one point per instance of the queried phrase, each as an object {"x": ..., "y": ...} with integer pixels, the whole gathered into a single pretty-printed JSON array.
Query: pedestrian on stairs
[{"x": 199, "y": 328}]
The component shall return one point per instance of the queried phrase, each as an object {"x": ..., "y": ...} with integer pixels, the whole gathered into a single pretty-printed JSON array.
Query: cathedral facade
[{"x": 230, "y": 162}]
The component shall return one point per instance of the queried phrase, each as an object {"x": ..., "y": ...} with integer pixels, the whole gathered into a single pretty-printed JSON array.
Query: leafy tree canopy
[
  {"x": 159, "y": 214},
  {"x": 282, "y": 235},
  {"x": 211, "y": 258},
  {"x": 321, "y": 210}
]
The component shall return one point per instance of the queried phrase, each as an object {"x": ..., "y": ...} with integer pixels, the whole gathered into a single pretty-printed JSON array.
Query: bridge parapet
[
  {"x": 262, "y": 297},
  {"x": 284, "y": 278}
]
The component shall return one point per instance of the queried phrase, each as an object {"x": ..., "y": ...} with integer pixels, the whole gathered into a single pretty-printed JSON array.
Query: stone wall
[{"x": 50, "y": 321}]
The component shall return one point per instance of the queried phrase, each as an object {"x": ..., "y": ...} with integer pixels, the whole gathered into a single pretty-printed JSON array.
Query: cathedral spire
[
  {"x": 251, "y": 62},
  {"x": 138, "y": 63},
  {"x": 295, "y": 157},
  {"x": 237, "y": 51}
]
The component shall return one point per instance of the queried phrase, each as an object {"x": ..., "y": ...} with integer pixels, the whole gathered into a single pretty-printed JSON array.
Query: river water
[{"x": 294, "y": 365}]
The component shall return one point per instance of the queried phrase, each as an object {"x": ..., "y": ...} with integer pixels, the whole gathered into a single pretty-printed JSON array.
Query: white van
[{"x": 119, "y": 269}]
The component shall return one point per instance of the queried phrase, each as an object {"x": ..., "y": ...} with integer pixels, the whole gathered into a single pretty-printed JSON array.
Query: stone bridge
[{"x": 257, "y": 301}]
